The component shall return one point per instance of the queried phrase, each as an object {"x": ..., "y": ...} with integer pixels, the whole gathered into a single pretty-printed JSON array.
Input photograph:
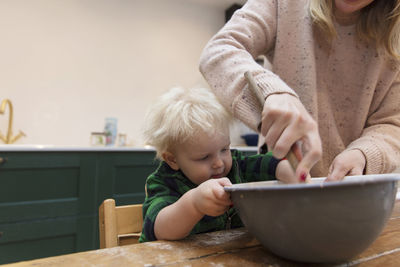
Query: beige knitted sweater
[{"x": 350, "y": 88}]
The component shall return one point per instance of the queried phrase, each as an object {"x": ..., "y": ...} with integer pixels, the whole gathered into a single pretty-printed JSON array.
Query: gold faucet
[{"x": 9, "y": 139}]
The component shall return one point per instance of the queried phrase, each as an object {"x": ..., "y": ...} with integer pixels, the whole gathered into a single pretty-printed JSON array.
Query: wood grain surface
[{"x": 224, "y": 248}]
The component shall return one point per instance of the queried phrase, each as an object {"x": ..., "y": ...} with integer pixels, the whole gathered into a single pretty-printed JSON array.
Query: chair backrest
[{"x": 119, "y": 225}]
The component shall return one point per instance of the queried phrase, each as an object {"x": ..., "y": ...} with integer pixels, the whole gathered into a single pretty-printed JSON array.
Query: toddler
[{"x": 189, "y": 129}]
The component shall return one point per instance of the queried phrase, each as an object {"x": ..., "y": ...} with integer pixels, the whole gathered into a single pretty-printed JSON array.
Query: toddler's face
[{"x": 205, "y": 157}]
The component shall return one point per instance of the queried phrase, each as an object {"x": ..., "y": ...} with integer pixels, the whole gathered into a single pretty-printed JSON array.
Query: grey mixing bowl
[{"x": 319, "y": 221}]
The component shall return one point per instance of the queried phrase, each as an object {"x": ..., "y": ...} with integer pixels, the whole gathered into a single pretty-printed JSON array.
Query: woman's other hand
[
  {"x": 349, "y": 162},
  {"x": 285, "y": 121}
]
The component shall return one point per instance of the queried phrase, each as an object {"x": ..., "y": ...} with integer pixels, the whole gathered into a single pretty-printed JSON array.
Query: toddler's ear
[{"x": 170, "y": 159}]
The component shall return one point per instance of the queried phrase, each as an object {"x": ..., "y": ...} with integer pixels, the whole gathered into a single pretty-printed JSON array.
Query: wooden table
[{"x": 225, "y": 248}]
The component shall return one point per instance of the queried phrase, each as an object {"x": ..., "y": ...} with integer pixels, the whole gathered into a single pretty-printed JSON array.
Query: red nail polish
[{"x": 303, "y": 177}]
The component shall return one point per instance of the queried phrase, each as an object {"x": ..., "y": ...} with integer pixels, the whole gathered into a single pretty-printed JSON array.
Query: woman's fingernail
[{"x": 303, "y": 177}]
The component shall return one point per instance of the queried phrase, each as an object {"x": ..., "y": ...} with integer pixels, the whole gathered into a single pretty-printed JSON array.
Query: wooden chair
[{"x": 119, "y": 225}]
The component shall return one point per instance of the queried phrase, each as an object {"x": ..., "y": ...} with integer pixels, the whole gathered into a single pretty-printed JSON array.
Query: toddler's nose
[{"x": 218, "y": 163}]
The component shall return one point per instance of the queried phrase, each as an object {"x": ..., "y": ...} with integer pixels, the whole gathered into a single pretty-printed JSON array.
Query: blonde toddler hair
[
  {"x": 379, "y": 22},
  {"x": 179, "y": 114}
]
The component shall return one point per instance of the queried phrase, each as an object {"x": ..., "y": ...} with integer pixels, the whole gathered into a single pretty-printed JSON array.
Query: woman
[{"x": 332, "y": 84}]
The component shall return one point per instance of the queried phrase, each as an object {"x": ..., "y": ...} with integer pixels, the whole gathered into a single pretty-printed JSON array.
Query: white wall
[{"x": 68, "y": 64}]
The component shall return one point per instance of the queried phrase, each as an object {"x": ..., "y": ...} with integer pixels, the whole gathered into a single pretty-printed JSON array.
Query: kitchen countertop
[{"x": 52, "y": 148}]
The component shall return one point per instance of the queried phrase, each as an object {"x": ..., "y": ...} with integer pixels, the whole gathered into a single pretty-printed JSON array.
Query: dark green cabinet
[{"x": 49, "y": 200}]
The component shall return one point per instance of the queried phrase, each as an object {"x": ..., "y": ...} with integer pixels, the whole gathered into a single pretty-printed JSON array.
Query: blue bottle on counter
[{"x": 110, "y": 128}]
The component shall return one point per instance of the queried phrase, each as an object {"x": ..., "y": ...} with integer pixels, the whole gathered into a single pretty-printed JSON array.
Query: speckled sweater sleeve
[
  {"x": 231, "y": 52},
  {"x": 380, "y": 140}
]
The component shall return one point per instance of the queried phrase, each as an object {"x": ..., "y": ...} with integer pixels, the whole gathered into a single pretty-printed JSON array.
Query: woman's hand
[
  {"x": 285, "y": 122},
  {"x": 210, "y": 197},
  {"x": 349, "y": 162},
  {"x": 284, "y": 172}
]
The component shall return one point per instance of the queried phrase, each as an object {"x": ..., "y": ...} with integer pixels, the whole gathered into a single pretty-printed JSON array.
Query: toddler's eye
[{"x": 204, "y": 158}]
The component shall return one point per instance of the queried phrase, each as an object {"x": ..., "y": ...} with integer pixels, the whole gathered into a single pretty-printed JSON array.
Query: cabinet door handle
[{"x": 3, "y": 160}]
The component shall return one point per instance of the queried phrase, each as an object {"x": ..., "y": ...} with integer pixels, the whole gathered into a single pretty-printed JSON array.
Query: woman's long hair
[{"x": 379, "y": 22}]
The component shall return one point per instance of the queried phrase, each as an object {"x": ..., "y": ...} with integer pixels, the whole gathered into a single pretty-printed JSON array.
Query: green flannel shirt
[{"x": 165, "y": 186}]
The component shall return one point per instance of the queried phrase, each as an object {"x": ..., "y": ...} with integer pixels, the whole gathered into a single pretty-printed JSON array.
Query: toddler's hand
[
  {"x": 210, "y": 197},
  {"x": 349, "y": 162}
]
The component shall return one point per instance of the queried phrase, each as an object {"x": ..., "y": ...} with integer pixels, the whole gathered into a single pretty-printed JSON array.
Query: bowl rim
[{"x": 315, "y": 183}]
